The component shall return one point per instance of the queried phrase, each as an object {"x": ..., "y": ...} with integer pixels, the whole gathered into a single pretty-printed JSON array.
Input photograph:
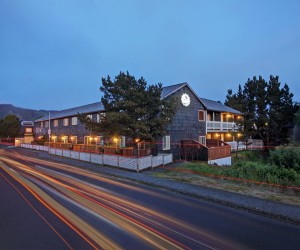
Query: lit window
[
  {"x": 42, "y": 124},
  {"x": 201, "y": 115},
  {"x": 74, "y": 120},
  {"x": 66, "y": 122},
  {"x": 55, "y": 123},
  {"x": 166, "y": 142}
]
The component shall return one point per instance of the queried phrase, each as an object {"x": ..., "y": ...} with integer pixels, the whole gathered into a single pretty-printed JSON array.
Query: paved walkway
[{"x": 276, "y": 210}]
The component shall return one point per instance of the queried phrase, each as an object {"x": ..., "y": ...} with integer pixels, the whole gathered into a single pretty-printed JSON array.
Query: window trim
[
  {"x": 166, "y": 142},
  {"x": 203, "y": 112},
  {"x": 55, "y": 123},
  {"x": 74, "y": 121},
  {"x": 66, "y": 122}
]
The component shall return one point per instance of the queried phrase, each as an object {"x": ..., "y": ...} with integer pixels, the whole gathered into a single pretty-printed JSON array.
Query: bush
[{"x": 286, "y": 158}]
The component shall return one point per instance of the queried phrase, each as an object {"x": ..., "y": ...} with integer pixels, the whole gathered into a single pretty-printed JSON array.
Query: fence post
[{"x": 151, "y": 162}]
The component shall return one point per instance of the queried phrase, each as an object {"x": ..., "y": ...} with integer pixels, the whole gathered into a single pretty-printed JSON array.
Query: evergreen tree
[
  {"x": 10, "y": 126},
  {"x": 132, "y": 108},
  {"x": 268, "y": 109}
]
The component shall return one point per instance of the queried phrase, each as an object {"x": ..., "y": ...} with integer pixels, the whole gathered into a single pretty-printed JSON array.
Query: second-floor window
[
  {"x": 74, "y": 120},
  {"x": 42, "y": 124},
  {"x": 201, "y": 115},
  {"x": 90, "y": 116},
  {"x": 55, "y": 123},
  {"x": 66, "y": 122}
]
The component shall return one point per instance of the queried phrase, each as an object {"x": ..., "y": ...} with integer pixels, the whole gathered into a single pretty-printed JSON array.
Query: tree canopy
[
  {"x": 267, "y": 107},
  {"x": 10, "y": 126},
  {"x": 133, "y": 108}
]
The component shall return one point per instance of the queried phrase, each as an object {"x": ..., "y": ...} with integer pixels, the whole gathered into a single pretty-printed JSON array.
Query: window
[
  {"x": 73, "y": 139},
  {"x": 166, "y": 142},
  {"x": 123, "y": 142},
  {"x": 46, "y": 124},
  {"x": 64, "y": 139},
  {"x": 74, "y": 120},
  {"x": 90, "y": 116},
  {"x": 55, "y": 123},
  {"x": 100, "y": 116},
  {"x": 202, "y": 140},
  {"x": 42, "y": 124},
  {"x": 99, "y": 141},
  {"x": 201, "y": 115},
  {"x": 66, "y": 122}
]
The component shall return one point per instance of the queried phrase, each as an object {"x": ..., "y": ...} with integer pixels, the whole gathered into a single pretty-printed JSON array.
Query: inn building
[{"x": 205, "y": 124}]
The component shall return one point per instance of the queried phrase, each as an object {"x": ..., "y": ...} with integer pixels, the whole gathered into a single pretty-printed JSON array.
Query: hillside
[{"x": 22, "y": 113}]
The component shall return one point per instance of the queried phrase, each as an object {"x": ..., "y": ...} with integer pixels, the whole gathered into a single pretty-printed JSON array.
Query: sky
[{"x": 54, "y": 53}]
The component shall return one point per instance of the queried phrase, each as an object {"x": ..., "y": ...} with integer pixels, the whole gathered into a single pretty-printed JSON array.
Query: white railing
[
  {"x": 251, "y": 145},
  {"x": 130, "y": 163},
  {"x": 220, "y": 126}
]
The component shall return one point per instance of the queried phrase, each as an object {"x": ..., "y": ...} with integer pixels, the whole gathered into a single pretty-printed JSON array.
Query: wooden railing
[
  {"x": 214, "y": 149},
  {"x": 110, "y": 150},
  {"x": 58, "y": 145},
  {"x": 87, "y": 148},
  {"x": 217, "y": 149}
]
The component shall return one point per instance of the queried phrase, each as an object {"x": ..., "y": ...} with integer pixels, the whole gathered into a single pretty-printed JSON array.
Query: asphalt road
[{"x": 51, "y": 205}]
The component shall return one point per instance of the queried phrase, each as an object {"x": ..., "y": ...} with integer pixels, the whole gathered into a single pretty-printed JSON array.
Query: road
[{"x": 52, "y": 205}]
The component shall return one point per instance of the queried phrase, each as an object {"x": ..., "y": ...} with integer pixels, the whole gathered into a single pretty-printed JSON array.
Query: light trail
[{"x": 154, "y": 228}]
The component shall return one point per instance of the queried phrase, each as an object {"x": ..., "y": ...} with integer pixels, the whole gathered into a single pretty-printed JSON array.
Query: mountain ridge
[{"x": 23, "y": 113}]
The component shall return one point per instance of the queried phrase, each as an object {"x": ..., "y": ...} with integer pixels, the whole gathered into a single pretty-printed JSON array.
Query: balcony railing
[{"x": 220, "y": 126}]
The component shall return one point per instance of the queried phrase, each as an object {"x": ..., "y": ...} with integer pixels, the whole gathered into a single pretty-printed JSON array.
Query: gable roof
[
  {"x": 166, "y": 91},
  {"x": 217, "y": 106},
  {"x": 85, "y": 109},
  {"x": 208, "y": 104}
]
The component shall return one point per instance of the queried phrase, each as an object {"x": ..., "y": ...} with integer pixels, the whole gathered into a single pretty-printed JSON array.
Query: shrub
[{"x": 286, "y": 158}]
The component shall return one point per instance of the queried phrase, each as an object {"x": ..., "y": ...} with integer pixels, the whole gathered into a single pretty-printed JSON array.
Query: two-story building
[{"x": 204, "y": 123}]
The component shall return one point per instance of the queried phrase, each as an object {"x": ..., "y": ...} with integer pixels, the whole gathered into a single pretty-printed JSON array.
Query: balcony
[{"x": 220, "y": 126}]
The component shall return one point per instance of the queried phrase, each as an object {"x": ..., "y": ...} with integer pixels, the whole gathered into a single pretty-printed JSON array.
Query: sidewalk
[{"x": 272, "y": 209}]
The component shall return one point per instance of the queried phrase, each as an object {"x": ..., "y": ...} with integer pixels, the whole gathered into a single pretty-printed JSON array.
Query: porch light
[
  {"x": 137, "y": 140},
  {"x": 228, "y": 135},
  {"x": 239, "y": 134}
]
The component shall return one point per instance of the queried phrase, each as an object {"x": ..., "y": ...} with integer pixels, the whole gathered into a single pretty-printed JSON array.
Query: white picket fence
[{"x": 136, "y": 164}]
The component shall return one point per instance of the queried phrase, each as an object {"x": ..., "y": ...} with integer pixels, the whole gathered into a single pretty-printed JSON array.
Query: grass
[{"x": 249, "y": 175}]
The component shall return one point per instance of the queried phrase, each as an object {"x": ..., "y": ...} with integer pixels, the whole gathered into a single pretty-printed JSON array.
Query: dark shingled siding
[{"x": 185, "y": 124}]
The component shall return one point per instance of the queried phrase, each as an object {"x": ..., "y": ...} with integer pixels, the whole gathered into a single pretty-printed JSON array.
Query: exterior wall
[
  {"x": 185, "y": 124},
  {"x": 61, "y": 130}
]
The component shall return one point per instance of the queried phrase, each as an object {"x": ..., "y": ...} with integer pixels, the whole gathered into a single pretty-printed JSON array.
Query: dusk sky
[{"x": 53, "y": 53}]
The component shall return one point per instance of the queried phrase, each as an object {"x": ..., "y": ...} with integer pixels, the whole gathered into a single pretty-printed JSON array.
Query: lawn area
[{"x": 251, "y": 174}]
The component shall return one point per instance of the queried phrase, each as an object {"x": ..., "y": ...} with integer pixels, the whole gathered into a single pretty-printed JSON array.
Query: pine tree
[
  {"x": 267, "y": 108},
  {"x": 132, "y": 108}
]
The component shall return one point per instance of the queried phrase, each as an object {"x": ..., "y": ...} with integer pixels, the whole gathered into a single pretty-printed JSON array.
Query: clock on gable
[{"x": 185, "y": 100}]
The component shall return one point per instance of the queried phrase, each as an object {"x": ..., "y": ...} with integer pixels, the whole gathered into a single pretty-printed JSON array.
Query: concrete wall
[{"x": 221, "y": 162}]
